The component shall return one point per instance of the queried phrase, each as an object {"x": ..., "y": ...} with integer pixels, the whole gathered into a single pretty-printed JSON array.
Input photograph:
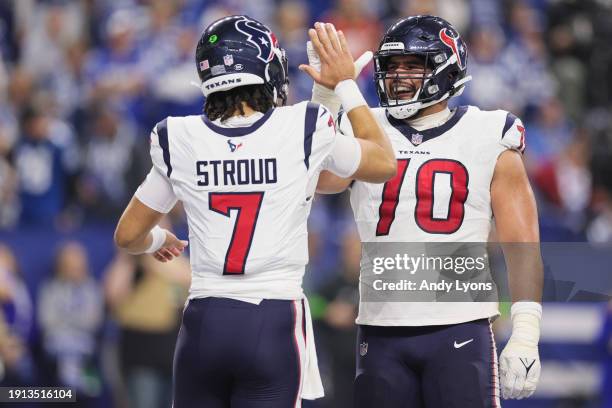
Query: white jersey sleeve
[
  {"x": 337, "y": 153},
  {"x": 345, "y": 156},
  {"x": 156, "y": 191},
  {"x": 513, "y": 134}
]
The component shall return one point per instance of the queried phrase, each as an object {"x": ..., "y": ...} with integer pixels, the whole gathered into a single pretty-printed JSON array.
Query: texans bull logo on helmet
[
  {"x": 453, "y": 43},
  {"x": 264, "y": 41}
]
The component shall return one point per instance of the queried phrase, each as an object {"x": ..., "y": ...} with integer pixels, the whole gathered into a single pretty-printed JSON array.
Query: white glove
[
  {"x": 519, "y": 362},
  {"x": 323, "y": 95}
]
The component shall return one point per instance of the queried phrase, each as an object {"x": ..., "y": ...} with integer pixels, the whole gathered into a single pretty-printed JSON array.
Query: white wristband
[
  {"x": 159, "y": 237},
  {"x": 350, "y": 95},
  {"x": 526, "y": 321}
]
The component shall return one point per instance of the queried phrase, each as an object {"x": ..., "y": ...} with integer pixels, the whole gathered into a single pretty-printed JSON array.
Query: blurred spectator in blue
[
  {"x": 260, "y": 10},
  {"x": 14, "y": 296},
  {"x": 52, "y": 29},
  {"x": 527, "y": 57},
  {"x": 116, "y": 161},
  {"x": 457, "y": 12},
  {"x": 71, "y": 312},
  {"x": 548, "y": 135},
  {"x": 9, "y": 129},
  {"x": 146, "y": 297},
  {"x": 564, "y": 182},
  {"x": 493, "y": 83},
  {"x": 292, "y": 18},
  {"x": 9, "y": 206},
  {"x": 46, "y": 157},
  {"x": 485, "y": 12},
  {"x": 327, "y": 224},
  {"x": 116, "y": 71},
  {"x": 8, "y": 179},
  {"x": 172, "y": 70},
  {"x": 15, "y": 367},
  {"x": 17, "y": 315},
  {"x": 9, "y": 46}
]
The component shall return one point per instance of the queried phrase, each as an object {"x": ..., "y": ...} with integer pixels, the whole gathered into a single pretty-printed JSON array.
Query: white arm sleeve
[
  {"x": 345, "y": 156},
  {"x": 156, "y": 192}
]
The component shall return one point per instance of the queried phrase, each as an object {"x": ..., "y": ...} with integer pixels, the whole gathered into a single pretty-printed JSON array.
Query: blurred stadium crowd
[{"x": 82, "y": 83}]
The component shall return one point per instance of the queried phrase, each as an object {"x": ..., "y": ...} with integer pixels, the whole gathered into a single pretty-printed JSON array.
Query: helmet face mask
[
  {"x": 442, "y": 52},
  {"x": 238, "y": 50},
  {"x": 404, "y": 75}
]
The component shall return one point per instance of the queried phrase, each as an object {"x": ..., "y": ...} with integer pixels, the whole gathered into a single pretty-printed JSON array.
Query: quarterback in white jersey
[
  {"x": 456, "y": 171},
  {"x": 246, "y": 173}
]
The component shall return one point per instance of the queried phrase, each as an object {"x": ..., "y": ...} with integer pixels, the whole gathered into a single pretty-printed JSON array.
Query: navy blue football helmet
[
  {"x": 443, "y": 52},
  {"x": 238, "y": 50}
]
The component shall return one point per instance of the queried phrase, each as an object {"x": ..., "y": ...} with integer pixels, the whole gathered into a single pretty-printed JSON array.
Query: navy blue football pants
[
  {"x": 451, "y": 366},
  {"x": 233, "y": 354}
]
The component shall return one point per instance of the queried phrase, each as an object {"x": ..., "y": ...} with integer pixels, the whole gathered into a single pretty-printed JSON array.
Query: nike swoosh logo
[
  {"x": 459, "y": 345},
  {"x": 527, "y": 366}
]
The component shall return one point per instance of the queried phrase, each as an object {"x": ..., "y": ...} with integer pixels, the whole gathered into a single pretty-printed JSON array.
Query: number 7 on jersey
[{"x": 247, "y": 205}]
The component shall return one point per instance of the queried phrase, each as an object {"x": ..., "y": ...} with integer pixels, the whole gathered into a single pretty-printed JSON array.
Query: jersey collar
[
  {"x": 237, "y": 131},
  {"x": 426, "y": 134}
]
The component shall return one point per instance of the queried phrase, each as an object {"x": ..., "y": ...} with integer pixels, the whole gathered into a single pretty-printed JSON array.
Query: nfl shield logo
[
  {"x": 363, "y": 349},
  {"x": 228, "y": 60},
  {"x": 416, "y": 138}
]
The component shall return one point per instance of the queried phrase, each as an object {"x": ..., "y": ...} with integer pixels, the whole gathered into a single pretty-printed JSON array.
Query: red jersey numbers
[
  {"x": 390, "y": 199},
  {"x": 247, "y": 205},
  {"x": 424, "y": 208}
]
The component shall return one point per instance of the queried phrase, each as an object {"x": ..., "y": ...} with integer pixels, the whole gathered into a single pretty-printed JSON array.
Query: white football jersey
[
  {"x": 440, "y": 194},
  {"x": 247, "y": 193}
]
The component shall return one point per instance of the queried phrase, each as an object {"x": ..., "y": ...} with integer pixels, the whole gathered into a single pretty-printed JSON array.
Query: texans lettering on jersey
[
  {"x": 441, "y": 193},
  {"x": 247, "y": 193}
]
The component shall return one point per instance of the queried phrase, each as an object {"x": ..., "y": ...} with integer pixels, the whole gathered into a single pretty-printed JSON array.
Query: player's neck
[
  {"x": 430, "y": 117},
  {"x": 248, "y": 111}
]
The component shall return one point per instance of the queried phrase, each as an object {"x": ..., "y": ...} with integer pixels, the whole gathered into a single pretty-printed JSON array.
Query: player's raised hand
[
  {"x": 315, "y": 62},
  {"x": 333, "y": 51},
  {"x": 172, "y": 248}
]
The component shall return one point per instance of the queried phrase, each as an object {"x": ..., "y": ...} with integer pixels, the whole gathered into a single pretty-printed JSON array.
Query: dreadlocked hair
[{"x": 225, "y": 104}]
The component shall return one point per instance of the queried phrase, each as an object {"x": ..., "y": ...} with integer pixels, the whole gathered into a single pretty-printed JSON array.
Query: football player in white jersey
[
  {"x": 246, "y": 173},
  {"x": 457, "y": 171}
]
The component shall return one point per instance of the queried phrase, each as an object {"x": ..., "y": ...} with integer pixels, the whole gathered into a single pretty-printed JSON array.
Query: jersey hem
[{"x": 428, "y": 322}]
